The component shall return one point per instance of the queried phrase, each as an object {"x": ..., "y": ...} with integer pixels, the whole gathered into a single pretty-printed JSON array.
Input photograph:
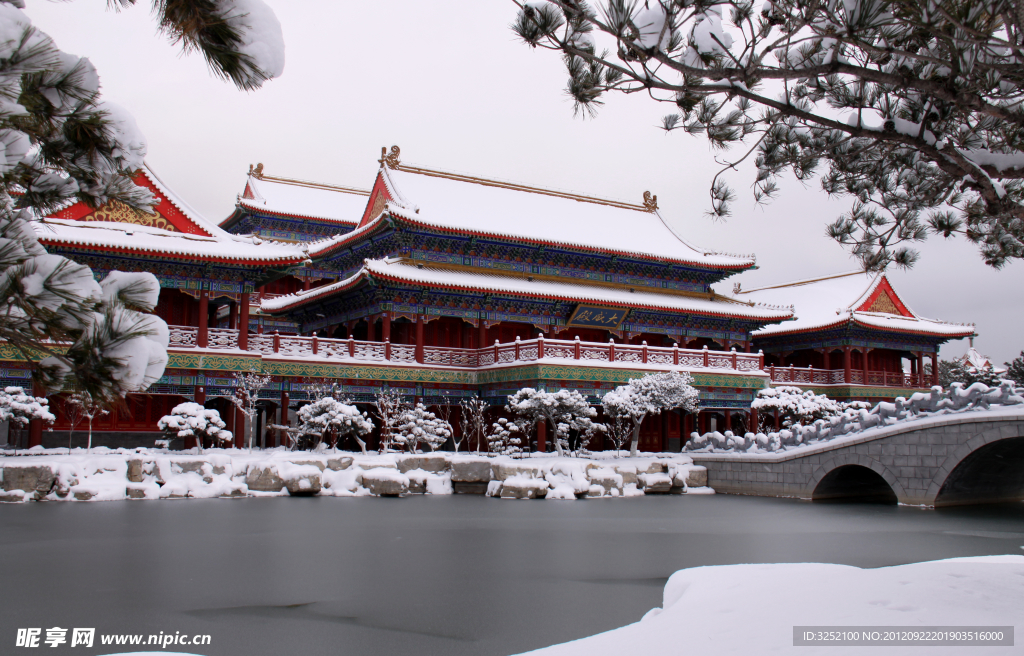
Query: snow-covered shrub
[
  {"x": 331, "y": 419},
  {"x": 390, "y": 406},
  {"x": 565, "y": 410},
  {"x": 18, "y": 408},
  {"x": 508, "y": 437},
  {"x": 416, "y": 425},
  {"x": 650, "y": 395},
  {"x": 795, "y": 406},
  {"x": 472, "y": 422},
  {"x": 193, "y": 420}
]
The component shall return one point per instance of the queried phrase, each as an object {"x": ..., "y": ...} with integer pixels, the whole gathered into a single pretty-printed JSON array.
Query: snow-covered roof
[
  {"x": 129, "y": 238},
  {"x": 303, "y": 199},
  {"x": 476, "y": 206},
  {"x": 868, "y": 299},
  {"x": 972, "y": 358},
  {"x": 404, "y": 271},
  {"x": 196, "y": 238}
]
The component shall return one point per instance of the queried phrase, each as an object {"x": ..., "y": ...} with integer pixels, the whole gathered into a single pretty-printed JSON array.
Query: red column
[
  {"x": 664, "y": 430},
  {"x": 935, "y": 368},
  {"x": 824, "y": 358},
  {"x": 386, "y": 328},
  {"x": 243, "y": 322},
  {"x": 482, "y": 335},
  {"x": 419, "y": 338},
  {"x": 778, "y": 423},
  {"x": 920, "y": 369},
  {"x": 305, "y": 284},
  {"x": 203, "y": 334},
  {"x": 847, "y": 364},
  {"x": 371, "y": 328},
  {"x": 728, "y": 419},
  {"x": 864, "y": 355},
  {"x": 233, "y": 317},
  {"x": 687, "y": 426},
  {"x": 542, "y": 436},
  {"x": 753, "y": 420}
]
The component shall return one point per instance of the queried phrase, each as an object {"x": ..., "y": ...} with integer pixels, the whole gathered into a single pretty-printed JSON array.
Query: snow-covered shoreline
[
  {"x": 113, "y": 474},
  {"x": 708, "y": 611}
]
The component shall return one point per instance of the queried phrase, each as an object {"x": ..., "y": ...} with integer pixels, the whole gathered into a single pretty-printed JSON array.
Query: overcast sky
[{"x": 450, "y": 85}]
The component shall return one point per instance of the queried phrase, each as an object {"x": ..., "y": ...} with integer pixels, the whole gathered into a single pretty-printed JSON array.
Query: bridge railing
[{"x": 299, "y": 346}]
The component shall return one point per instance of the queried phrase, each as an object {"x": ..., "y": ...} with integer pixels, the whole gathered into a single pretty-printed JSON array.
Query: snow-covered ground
[
  {"x": 111, "y": 474},
  {"x": 752, "y": 609}
]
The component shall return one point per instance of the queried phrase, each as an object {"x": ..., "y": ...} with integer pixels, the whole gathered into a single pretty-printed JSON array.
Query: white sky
[{"x": 450, "y": 85}]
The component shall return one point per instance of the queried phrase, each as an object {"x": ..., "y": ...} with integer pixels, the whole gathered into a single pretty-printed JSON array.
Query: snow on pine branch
[{"x": 915, "y": 115}]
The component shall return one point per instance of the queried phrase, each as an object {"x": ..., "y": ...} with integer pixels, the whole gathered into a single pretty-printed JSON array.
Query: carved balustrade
[
  {"x": 532, "y": 350},
  {"x": 812, "y": 376}
]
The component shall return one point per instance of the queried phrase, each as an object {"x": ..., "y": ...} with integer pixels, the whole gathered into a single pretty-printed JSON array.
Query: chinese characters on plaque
[{"x": 589, "y": 316}]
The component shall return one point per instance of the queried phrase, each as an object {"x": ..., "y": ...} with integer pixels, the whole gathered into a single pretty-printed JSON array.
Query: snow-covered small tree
[
  {"x": 619, "y": 429},
  {"x": 648, "y": 396},
  {"x": 795, "y": 406},
  {"x": 390, "y": 406},
  {"x": 89, "y": 408},
  {"x": 472, "y": 422},
  {"x": 247, "y": 394},
  {"x": 18, "y": 408},
  {"x": 416, "y": 426},
  {"x": 332, "y": 419},
  {"x": 1015, "y": 370},
  {"x": 508, "y": 437},
  {"x": 564, "y": 411},
  {"x": 193, "y": 420}
]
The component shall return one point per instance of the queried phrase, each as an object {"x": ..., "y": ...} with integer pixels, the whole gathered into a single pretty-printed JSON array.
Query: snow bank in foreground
[{"x": 752, "y": 609}]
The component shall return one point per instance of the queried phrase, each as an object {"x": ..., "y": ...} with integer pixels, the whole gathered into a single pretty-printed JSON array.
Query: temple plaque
[{"x": 590, "y": 316}]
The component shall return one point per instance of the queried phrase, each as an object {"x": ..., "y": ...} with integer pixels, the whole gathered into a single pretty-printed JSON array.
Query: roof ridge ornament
[
  {"x": 256, "y": 172},
  {"x": 393, "y": 159},
  {"x": 650, "y": 202}
]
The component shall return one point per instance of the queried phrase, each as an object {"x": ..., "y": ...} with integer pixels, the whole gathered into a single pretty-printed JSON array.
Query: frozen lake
[{"x": 424, "y": 575}]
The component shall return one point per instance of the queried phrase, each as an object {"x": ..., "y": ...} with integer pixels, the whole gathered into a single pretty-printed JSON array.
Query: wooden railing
[
  {"x": 295, "y": 346},
  {"x": 811, "y": 376}
]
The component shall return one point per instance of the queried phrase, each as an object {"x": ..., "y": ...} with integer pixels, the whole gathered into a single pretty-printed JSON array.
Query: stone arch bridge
[{"x": 975, "y": 457}]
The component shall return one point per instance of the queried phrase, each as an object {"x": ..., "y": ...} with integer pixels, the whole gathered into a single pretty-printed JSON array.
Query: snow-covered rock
[
  {"x": 431, "y": 463},
  {"x": 608, "y": 480},
  {"x": 524, "y": 487},
  {"x": 471, "y": 470},
  {"x": 385, "y": 482},
  {"x": 36, "y": 480},
  {"x": 263, "y": 478},
  {"x": 301, "y": 479},
  {"x": 655, "y": 483}
]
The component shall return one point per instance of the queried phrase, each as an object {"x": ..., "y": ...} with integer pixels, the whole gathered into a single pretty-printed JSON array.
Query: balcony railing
[
  {"x": 295, "y": 346},
  {"x": 811, "y": 376}
]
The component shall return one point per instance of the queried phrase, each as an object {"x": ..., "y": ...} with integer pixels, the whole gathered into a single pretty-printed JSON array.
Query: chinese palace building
[{"x": 444, "y": 286}]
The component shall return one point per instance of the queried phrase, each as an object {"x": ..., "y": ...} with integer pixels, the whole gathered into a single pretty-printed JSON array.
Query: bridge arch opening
[
  {"x": 993, "y": 473},
  {"x": 854, "y": 484}
]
